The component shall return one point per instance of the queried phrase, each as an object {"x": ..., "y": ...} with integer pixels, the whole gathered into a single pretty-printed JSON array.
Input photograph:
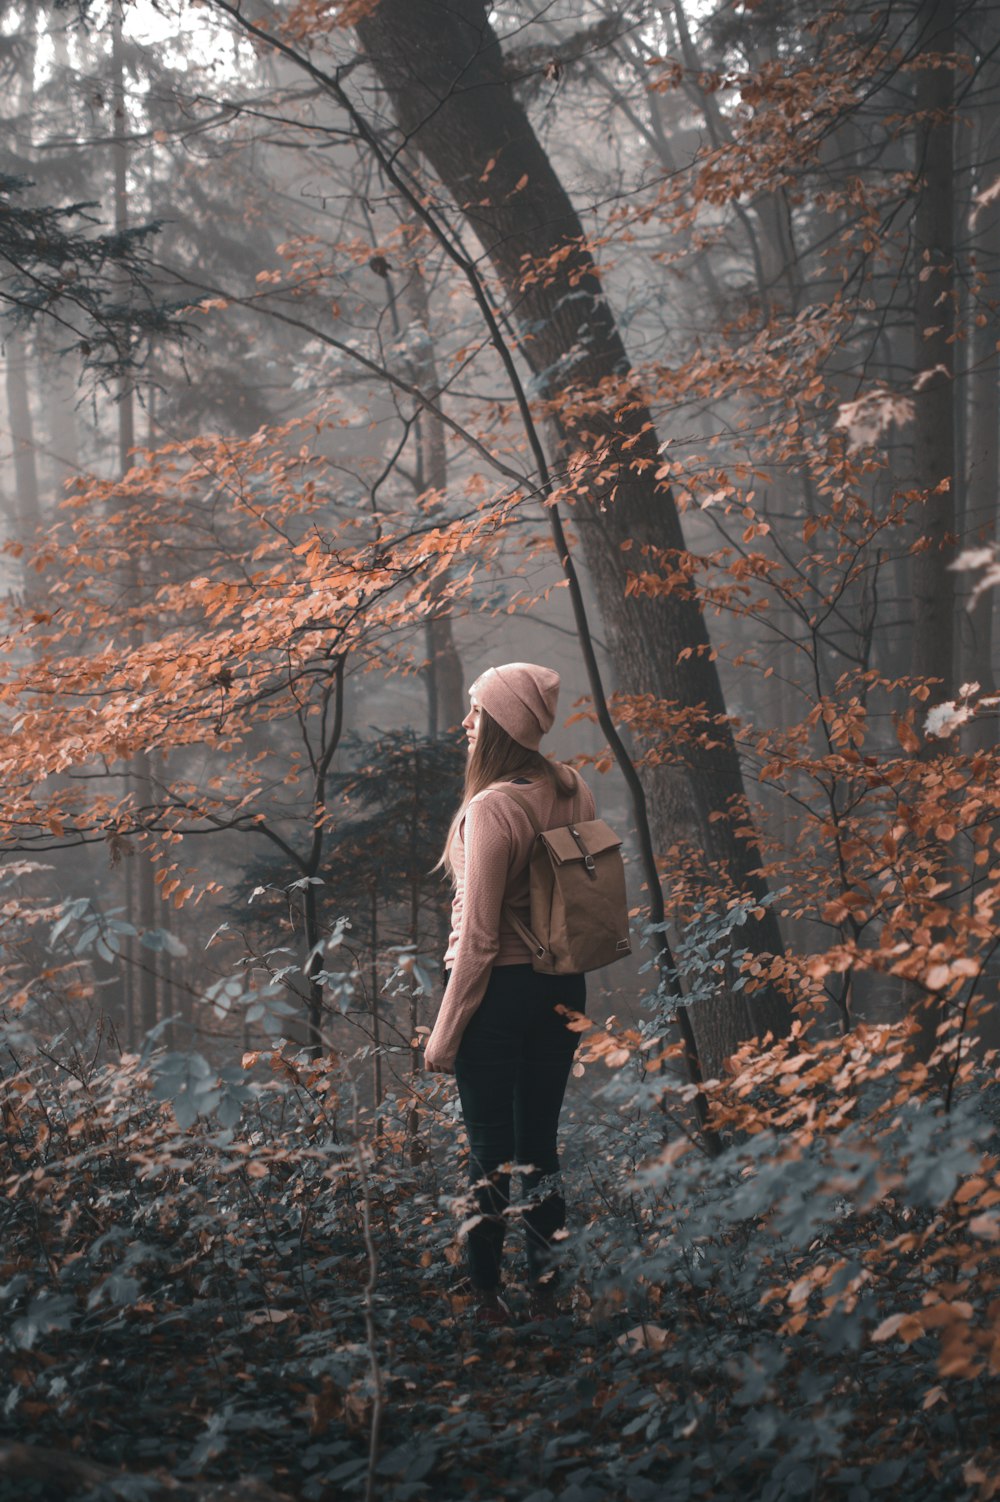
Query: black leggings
[{"x": 512, "y": 1067}]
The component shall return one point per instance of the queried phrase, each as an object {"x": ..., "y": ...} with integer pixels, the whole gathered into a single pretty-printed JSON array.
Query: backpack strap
[
  {"x": 522, "y": 929},
  {"x": 522, "y": 803},
  {"x": 524, "y": 933},
  {"x": 508, "y": 791}
]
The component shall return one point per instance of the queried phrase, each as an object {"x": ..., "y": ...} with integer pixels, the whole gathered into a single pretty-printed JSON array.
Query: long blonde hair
[{"x": 497, "y": 757}]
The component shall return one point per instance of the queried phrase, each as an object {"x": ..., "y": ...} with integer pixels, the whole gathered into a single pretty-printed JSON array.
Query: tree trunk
[
  {"x": 446, "y": 705},
  {"x": 982, "y": 457},
  {"x": 22, "y": 433},
  {"x": 314, "y": 966},
  {"x": 933, "y": 585},
  {"x": 139, "y": 868},
  {"x": 768, "y": 229},
  {"x": 376, "y": 1018},
  {"x": 443, "y": 70},
  {"x": 934, "y": 363},
  {"x": 60, "y": 424},
  {"x": 146, "y": 904},
  {"x": 414, "y": 1148},
  {"x": 27, "y": 514},
  {"x": 979, "y": 520}
]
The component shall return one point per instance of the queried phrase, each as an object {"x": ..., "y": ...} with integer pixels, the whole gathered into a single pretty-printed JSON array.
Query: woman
[{"x": 498, "y": 1029}]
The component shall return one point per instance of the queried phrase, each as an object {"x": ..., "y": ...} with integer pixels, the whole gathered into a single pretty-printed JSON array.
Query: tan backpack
[{"x": 579, "y": 910}]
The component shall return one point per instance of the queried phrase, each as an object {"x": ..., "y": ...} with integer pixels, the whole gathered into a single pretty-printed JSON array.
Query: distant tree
[{"x": 94, "y": 285}]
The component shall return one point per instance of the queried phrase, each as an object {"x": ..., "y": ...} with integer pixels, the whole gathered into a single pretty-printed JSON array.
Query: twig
[{"x": 371, "y": 1334}]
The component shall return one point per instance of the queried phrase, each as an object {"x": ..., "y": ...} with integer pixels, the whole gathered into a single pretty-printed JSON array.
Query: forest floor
[{"x": 272, "y": 1314}]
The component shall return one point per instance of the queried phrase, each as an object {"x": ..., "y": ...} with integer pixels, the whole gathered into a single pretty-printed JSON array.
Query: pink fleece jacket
[{"x": 490, "y": 854}]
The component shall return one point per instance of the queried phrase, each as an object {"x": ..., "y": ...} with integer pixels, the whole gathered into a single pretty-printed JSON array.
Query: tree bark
[
  {"x": 22, "y": 433},
  {"x": 934, "y": 360},
  {"x": 979, "y": 520},
  {"x": 933, "y": 585},
  {"x": 446, "y": 704},
  {"x": 27, "y": 512},
  {"x": 312, "y": 933},
  {"x": 443, "y": 70},
  {"x": 144, "y": 1005},
  {"x": 376, "y": 1017}
]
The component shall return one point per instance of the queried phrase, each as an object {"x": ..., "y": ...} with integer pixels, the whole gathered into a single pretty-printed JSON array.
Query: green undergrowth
[{"x": 253, "y": 1299}]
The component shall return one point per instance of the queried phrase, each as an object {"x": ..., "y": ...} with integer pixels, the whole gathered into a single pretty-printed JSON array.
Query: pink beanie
[{"x": 521, "y": 697}]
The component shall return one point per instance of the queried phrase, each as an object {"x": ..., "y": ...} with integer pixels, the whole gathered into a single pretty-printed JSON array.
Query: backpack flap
[
  {"x": 591, "y": 838},
  {"x": 579, "y": 905}
]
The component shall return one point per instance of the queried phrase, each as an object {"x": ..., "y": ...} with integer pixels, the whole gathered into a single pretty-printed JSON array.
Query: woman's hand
[{"x": 434, "y": 1065}]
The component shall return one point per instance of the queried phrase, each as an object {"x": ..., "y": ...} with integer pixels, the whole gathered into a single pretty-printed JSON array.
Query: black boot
[
  {"x": 490, "y": 1309},
  {"x": 541, "y": 1221}
]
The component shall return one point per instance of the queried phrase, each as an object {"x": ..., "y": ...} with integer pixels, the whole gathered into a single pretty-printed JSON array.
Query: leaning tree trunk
[{"x": 443, "y": 69}]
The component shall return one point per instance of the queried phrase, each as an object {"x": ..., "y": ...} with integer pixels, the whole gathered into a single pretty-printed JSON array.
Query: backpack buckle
[{"x": 588, "y": 859}]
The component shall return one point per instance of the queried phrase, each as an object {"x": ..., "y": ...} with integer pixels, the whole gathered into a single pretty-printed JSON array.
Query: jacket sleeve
[{"x": 489, "y": 853}]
